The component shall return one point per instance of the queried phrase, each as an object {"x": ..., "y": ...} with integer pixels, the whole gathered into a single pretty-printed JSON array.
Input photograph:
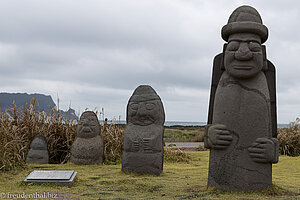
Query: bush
[
  {"x": 18, "y": 127},
  {"x": 13, "y": 144},
  {"x": 198, "y": 138},
  {"x": 201, "y": 148},
  {"x": 113, "y": 142},
  {"x": 289, "y": 139},
  {"x": 60, "y": 134},
  {"x": 176, "y": 156}
]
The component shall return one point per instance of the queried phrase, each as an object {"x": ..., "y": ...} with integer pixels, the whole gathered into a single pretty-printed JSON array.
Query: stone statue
[
  {"x": 242, "y": 123},
  {"x": 143, "y": 136},
  {"x": 88, "y": 145},
  {"x": 38, "y": 152}
]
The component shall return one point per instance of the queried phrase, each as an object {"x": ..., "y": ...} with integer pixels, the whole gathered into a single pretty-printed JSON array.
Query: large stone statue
[
  {"x": 38, "y": 152},
  {"x": 143, "y": 136},
  {"x": 88, "y": 145},
  {"x": 242, "y": 125}
]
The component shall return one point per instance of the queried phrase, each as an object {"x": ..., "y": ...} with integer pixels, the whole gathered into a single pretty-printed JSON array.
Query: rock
[
  {"x": 88, "y": 145},
  {"x": 241, "y": 131},
  {"x": 143, "y": 136},
  {"x": 38, "y": 152}
]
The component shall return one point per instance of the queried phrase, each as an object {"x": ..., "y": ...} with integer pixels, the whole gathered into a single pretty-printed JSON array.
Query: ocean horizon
[{"x": 180, "y": 123}]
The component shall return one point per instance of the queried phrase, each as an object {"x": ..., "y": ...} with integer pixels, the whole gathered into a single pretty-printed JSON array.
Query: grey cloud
[{"x": 95, "y": 53}]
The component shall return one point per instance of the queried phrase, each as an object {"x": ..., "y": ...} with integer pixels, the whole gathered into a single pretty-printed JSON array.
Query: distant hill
[{"x": 45, "y": 103}]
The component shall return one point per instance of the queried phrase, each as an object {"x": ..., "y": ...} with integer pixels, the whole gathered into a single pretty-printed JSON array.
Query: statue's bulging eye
[
  {"x": 93, "y": 124},
  {"x": 149, "y": 106},
  {"x": 134, "y": 106},
  {"x": 254, "y": 46},
  {"x": 233, "y": 46},
  {"x": 93, "y": 120}
]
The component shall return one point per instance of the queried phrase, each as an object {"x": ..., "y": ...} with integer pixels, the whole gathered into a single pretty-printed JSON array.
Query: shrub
[
  {"x": 176, "y": 156},
  {"x": 60, "y": 134},
  {"x": 18, "y": 127},
  {"x": 199, "y": 137},
  {"x": 113, "y": 142},
  {"x": 289, "y": 139},
  {"x": 201, "y": 148},
  {"x": 13, "y": 144}
]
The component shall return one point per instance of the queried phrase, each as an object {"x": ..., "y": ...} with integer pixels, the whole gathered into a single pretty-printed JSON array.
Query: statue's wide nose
[
  {"x": 243, "y": 53},
  {"x": 85, "y": 122},
  {"x": 141, "y": 112}
]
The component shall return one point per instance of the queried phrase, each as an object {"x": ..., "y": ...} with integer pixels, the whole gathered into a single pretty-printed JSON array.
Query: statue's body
[
  {"x": 241, "y": 130},
  {"x": 38, "y": 152},
  {"x": 88, "y": 145},
  {"x": 143, "y": 135}
]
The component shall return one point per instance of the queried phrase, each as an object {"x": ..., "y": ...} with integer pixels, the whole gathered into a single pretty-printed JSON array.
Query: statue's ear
[
  {"x": 265, "y": 62},
  {"x": 222, "y": 63}
]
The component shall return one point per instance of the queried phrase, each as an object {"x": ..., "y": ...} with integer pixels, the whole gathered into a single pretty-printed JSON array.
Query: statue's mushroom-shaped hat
[
  {"x": 245, "y": 19},
  {"x": 144, "y": 93}
]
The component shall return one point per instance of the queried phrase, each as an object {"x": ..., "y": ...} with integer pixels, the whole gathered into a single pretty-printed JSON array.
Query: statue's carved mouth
[
  {"x": 86, "y": 129},
  {"x": 143, "y": 120},
  {"x": 242, "y": 67}
]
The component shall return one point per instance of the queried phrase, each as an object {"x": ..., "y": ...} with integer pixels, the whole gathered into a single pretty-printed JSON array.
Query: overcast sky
[{"x": 94, "y": 53}]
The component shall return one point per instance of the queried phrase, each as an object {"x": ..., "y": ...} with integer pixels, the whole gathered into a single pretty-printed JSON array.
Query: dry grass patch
[
  {"x": 18, "y": 127},
  {"x": 289, "y": 139}
]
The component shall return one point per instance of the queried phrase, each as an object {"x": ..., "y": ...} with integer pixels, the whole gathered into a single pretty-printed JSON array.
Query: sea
[{"x": 180, "y": 123}]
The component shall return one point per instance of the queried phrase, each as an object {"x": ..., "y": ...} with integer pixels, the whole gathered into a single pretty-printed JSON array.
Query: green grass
[
  {"x": 193, "y": 134},
  {"x": 185, "y": 180}
]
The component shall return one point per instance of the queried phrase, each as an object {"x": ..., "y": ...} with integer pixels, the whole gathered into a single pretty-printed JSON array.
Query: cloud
[{"x": 94, "y": 53}]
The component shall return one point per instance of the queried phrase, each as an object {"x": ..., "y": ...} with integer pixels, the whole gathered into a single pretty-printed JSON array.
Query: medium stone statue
[
  {"x": 143, "y": 136},
  {"x": 242, "y": 123},
  {"x": 38, "y": 152},
  {"x": 88, "y": 145}
]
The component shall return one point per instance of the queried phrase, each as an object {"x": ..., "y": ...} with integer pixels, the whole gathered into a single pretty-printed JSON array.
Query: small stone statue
[
  {"x": 143, "y": 136},
  {"x": 38, "y": 152},
  {"x": 242, "y": 123},
  {"x": 88, "y": 145}
]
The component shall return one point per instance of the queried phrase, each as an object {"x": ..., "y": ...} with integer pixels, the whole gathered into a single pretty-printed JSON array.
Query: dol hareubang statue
[
  {"x": 242, "y": 123},
  {"x": 143, "y": 136},
  {"x": 88, "y": 146},
  {"x": 38, "y": 152}
]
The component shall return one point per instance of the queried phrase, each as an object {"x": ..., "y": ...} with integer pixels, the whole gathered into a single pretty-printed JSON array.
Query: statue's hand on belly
[
  {"x": 264, "y": 150},
  {"x": 218, "y": 136}
]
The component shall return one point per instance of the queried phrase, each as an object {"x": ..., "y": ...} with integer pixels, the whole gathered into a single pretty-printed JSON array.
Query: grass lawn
[
  {"x": 184, "y": 134},
  {"x": 178, "y": 181}
]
